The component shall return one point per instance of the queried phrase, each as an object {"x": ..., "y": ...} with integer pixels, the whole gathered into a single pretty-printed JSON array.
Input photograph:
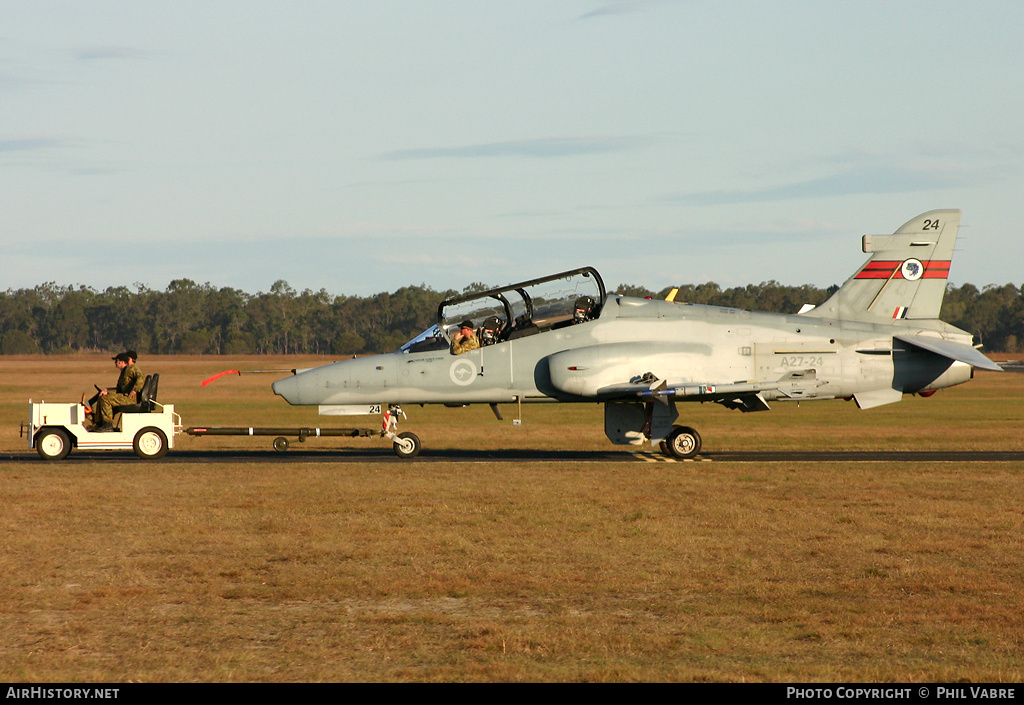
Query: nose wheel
[{"x": 406, "y": 444}]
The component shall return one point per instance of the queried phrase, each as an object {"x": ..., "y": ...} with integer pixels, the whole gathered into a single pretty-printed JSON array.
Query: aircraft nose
[
  {"x": 288, "y": 388},
  {"x": 356, "y": 381}
]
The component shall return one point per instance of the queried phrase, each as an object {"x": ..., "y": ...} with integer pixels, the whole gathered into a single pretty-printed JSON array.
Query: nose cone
[
  {"x": 357, "y": 381},
  {"x": 289, "y": 389}
]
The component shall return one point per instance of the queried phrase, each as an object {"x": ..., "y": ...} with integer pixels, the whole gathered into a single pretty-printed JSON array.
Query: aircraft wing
[
  {"x": 745, "y": 396},
  {"x": 950, "y": 349}
]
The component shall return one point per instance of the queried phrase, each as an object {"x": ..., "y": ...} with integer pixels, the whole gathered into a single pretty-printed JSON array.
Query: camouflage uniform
[
  {"x": 131, "y": 380},
  {"x": 465, "y": 344}
]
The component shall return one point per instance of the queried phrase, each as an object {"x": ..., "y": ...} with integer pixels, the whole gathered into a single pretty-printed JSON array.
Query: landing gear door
[{"x": 632, "y": 423}]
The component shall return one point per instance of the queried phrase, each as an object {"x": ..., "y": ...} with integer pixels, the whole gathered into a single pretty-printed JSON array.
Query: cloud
[
  {"x": 27, "y": 145},
  {"x": 546, "y": 148},
  {"x": 621, "y": 8},
  {"x": 854, "y": 181}
]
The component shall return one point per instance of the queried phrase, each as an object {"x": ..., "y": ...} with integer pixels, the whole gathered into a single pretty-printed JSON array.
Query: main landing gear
[{"x": 682, "y": 443}]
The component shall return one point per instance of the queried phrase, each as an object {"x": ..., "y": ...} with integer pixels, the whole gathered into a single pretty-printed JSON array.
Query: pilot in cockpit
[{"x": 465, "y": 339}]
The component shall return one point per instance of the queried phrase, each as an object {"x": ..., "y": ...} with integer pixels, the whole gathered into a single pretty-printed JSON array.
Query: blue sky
[{"x": 359, "y": 147}]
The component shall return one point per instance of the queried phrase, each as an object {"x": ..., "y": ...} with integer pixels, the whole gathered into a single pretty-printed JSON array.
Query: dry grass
[{"x": 119, "y": 570}]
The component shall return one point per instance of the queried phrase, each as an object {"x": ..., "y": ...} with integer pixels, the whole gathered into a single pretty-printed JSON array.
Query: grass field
[{"x": 121, "y": 570}]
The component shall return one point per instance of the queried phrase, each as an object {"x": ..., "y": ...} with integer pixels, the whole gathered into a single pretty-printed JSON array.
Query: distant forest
[{"x": 190, "y": 318}]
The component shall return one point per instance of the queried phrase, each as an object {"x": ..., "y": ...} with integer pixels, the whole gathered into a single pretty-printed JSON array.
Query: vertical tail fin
[{"x": 905, "y": 277}]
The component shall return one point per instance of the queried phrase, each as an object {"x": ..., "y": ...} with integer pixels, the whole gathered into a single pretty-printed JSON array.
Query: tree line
[{"x": 191, "y": 318}]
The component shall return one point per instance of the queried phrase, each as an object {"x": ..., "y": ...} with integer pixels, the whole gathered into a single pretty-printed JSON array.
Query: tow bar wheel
[
  {"x": 150, "y": 443},
  {"x": 53, "y": 444},
  {"x": 407, "y": 445}
]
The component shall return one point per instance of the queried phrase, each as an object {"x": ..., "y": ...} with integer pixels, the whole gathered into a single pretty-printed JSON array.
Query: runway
[{"x": 463, "y": 456}]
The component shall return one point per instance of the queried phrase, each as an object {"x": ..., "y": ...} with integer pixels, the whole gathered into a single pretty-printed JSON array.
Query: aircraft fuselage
[
  {"x": 562, "y": 338},
  {"x": 636, "y": 337}
]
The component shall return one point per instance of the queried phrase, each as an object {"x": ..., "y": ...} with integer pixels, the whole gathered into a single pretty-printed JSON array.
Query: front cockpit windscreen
[{"x": 430, "y": 339}]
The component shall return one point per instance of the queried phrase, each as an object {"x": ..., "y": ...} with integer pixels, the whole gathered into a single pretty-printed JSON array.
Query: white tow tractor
[{"x": 148, "y": 427}]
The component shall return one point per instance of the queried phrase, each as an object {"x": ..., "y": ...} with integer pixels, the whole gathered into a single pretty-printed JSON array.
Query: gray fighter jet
[{"x": 563, "y": 338}]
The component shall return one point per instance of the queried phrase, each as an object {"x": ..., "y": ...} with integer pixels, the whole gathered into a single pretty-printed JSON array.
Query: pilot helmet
[
  {"x": 584, "y": 309},
  {"x": 489, "y": 330}
]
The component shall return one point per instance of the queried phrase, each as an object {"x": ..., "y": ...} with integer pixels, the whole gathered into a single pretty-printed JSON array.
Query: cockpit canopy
[{"x": 517, "y": 310}]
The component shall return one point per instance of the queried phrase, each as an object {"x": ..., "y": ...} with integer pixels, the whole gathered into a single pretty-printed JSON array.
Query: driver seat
[{"x": 147, "y": 397}]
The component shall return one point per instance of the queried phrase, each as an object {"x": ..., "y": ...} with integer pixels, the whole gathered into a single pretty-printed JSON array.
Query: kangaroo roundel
[
  {"x": 463, "y": 372},
  {"x": 912, "y": 269}
]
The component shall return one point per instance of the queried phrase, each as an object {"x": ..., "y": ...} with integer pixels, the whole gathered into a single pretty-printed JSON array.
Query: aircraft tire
[
  {"x": 150, "y": 443},
  {"x": 683, "y": 443},
  {"x": 53, "y": 444},
  {"x": 408, "y": 445}
]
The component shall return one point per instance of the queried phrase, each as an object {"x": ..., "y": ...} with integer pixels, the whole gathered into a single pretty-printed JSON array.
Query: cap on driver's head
[
  {"x": 466, "y": 324},
  {"x": 123, "y": 357}
]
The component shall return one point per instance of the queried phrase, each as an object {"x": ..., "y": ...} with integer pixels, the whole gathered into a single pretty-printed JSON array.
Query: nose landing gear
[{"x": 406, "y": 444}]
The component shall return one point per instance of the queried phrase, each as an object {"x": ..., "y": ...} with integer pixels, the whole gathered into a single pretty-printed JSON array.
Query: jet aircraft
[{"x": 563, "y": 338}]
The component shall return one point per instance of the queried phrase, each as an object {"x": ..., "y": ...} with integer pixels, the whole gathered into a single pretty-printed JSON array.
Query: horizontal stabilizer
[{"x": 950, "y": 349}]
